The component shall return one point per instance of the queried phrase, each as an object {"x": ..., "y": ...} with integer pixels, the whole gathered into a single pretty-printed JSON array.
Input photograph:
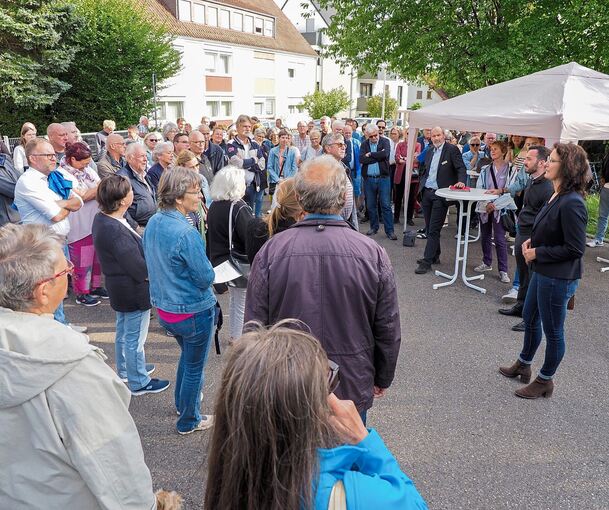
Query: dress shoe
[
  {"x": 538, "y": 388},
  {"x": 515, "y": 311},
  {"x": 436, "y": 260},
  {"x": 423, "y": 268},
  {"x": 519, "y": 327},
  {"x": 517, "y": 369},
  {"x": 392, "y": 236},
  {"x": 410, "y": 223},
  {"x": 371, "y": 232}
]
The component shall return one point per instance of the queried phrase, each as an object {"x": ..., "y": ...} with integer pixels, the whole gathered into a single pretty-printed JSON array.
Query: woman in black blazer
[
  {"x": 121, "y": 256},
  {"x": 554, "y": 252}
]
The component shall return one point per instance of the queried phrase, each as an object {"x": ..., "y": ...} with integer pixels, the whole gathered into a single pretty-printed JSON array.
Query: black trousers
[
  {"x": 434, "y": 210},
  {"x": 412, "y": 199},
  {"x": 523, "y": 268}
]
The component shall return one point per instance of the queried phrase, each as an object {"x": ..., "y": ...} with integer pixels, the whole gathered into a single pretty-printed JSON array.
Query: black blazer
[
  {"x": 559, "y": 237},
  {"x": 381, "y": 156},
  {"x": 451, "y": 168},
  {"x": 121, "y": 256}
]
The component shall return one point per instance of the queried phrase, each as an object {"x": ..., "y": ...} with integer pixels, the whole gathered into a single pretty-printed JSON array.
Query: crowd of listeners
[{"x": 148, "y": 224}]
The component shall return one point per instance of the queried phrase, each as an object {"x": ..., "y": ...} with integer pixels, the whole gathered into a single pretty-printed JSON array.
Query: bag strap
[
  {"x": 230, "y": 223},
  {"x": 287, "y": 150},
  {"x": 493, "y": 176}
]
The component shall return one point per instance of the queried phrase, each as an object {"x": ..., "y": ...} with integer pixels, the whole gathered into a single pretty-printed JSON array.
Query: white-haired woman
[
  {"x": 150, "y": 141},
  {"x": 162, "y": 155},
  {"x": 169, "y": 131},
  {"x": 227, "y": 191}
]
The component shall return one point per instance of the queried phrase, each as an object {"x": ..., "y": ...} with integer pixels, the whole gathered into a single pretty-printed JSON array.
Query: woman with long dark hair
[
  {"x": 283, "y": 441},
  {"x": 554, "y": 253}
]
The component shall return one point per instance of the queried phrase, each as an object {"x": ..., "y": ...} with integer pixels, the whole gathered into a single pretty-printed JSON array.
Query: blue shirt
[
  {"x": 313, "y": 216},
  {"x": 432, "y": 178},
  {"x": 373, "y": 168}
]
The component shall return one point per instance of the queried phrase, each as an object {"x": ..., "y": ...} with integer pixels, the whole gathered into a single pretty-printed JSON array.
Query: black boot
[{"x": 514, "y": 311}]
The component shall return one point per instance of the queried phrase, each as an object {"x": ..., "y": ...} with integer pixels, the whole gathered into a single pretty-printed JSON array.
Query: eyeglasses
[
  {"x": 67, "y": 270},
  {"x": 153, "y": 139},
  {"x": 339, "y": 144},
  {"x": 550, "y": 160},
  {"x": 194, "y": 192},
  {"x": 48, "y": 156},
  {"x": 198, "y": 142},
  {"x": 333, "y": 376},
  {"x": 474, "y": 145}
]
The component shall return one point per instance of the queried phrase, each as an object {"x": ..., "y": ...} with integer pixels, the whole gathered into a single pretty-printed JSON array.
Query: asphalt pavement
[{"x": 449, "y": 418}]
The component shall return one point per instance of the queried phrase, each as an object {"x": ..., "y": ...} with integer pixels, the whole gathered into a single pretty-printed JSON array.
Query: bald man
[
  {"x": 58, "y": 137},
  {"x": 113, "y": 159}
]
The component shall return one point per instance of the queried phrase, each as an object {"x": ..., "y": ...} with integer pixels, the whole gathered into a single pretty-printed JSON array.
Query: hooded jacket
[{"x": 67, "y": 439}]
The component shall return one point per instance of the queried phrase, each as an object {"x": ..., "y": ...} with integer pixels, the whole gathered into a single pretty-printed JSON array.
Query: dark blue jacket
[
  {"x": 144, "y": 203},
  {"x": 381, "y": 156}
]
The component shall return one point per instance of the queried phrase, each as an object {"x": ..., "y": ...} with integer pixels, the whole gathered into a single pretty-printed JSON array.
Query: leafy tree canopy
[
  {"x": 329, "y": 103},
  {"x": 375, "y": 106},
  {"x": 463, "y": 45}
]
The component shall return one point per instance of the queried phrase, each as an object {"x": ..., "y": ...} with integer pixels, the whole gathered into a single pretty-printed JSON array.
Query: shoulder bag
[
  {"x": 238, "y": 260},
  {"x": 506, "y": 216}
]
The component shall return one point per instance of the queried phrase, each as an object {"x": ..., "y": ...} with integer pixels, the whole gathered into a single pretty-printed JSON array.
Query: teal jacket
[{"x": 378, "y": 481}]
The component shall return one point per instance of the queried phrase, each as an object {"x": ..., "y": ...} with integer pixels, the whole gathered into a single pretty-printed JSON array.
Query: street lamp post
[{"x": 384, "y": 89}]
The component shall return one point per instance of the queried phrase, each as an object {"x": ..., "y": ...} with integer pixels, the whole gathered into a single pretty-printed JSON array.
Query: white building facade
[{"x": 237, "y": 58}]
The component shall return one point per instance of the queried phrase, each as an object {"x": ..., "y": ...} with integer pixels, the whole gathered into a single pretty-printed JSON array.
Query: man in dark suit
[
  {"x": 374, "y": 157},
  {"x": 443, "y": 168}
]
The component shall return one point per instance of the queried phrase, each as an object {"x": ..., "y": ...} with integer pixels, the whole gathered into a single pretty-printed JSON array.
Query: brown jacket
[{"x": 341, "y": 284}]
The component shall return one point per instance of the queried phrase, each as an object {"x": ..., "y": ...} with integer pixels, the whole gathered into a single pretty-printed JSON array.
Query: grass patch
[{"x": 592, "y": 202}]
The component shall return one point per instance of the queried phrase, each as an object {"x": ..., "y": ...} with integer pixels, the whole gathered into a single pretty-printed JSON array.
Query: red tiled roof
[{"x": 287, "y": 38}]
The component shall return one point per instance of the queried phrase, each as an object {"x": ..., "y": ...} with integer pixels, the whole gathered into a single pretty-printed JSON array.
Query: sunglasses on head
[{"x": 333, "y": 376}]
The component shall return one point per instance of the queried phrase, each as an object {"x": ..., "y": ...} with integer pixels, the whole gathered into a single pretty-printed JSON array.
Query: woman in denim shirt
[
  {"x": 180, "y": 287},
  {"x": 282, "y": 160}
]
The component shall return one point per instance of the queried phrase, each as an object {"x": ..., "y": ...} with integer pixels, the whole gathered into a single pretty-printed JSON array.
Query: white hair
[
  {"x": 109, "y": 124},
  {"x": 371, "y": 129},
  {"x": 338, "y": 124},
  {"x": 228, "y": 184},
  {"x": 159, "y": 148},
  {"x": 132, "y": 148}
]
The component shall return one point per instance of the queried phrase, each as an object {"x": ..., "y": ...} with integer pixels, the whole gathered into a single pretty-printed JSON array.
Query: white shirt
[
  {"x": 37, "y": 203},
  {"x": 19, "y": 159}
]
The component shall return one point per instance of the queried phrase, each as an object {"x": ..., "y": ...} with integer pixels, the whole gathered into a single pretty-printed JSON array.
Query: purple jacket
[{"x": 341, "y": 284}]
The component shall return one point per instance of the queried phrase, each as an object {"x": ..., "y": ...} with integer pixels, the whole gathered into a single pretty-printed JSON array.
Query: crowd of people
[{"x": 160, "y": 214}]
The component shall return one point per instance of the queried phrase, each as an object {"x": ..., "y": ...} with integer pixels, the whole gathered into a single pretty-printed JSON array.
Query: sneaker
[
  {"x": 150, "y": 368},
  {"x": 422, "y": 235},
  {"x": 421, "y": 231},
  {"x": 482, "y": 268},
  {"x": 207, "y": 422},
  {"x": 78, "y": 329},
  {"x": 87, "y": 300},
  {"x": 154, "y": 386},
  {"x": 594, "y": 243},
  {"x": 511, "y": 296},
  {"x": 100, "y": 292},
  {"x": 503, "y": 276}
]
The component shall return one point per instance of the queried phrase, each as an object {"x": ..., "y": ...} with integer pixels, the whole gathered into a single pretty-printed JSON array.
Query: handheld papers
[{"x": 225, "y": 272}]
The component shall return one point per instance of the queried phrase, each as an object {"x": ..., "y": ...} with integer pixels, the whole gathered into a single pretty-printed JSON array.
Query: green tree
[
  {"x": 329, "y": 103},
  {"x": 462, "y": 45},
  {"x": 416, "y": 106},
  {"x": 118, "y": 46},
  {"x": 375, "y": 106},
  {"x": 35, "y": 48}
]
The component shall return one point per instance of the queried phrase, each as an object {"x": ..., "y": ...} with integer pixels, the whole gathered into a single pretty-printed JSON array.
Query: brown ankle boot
[
  {"x": 517, "y": 369},
  {"x": 538, "y": 388}
]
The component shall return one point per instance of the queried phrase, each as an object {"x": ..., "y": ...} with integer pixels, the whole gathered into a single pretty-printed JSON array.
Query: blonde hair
[
  {"x": 28, "y": 126},
  {"x": 185, "y": 157},
  {"x": 287, "y": 206}
]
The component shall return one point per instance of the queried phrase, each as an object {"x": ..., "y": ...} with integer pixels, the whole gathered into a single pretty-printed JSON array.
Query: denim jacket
[
  {"x": 179, "y": 271},
  {"x": 290, "y": 166}
]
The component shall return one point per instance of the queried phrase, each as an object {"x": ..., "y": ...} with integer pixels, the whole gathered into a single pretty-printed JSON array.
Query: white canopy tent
[{"x": 566, "y": 103}]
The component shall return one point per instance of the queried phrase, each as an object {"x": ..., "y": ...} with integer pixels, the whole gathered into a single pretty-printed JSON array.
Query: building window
[
  {"x": 184, "y": 10},
  {"x": 419, "y": 94},
  {"x": 365, "y": 89},
  {"x": 210, "y": 62},
  {"x": 212, "y": 16},
  {"x": 290, "y": 72},
  {"x": 258, "y": 108},
  {"x": 237, "y": 21},
  {"x": 248, "y": 24},
  {"x": 171, "y": 110},
  {"x": 268, "y": 28},
  {"x": 218, "y": 108},
  {"x": 213, "y": 108},
  {"x": 226, "y": 108},
  {"x": 224, "y": 18},
  {"x": 400, "y": 94},
  {"x": 429, "y": 94},
  {"x": 293, "y": 108},
  {"x": 269, "y": 106},
  {"x": 198, "y": 13},
  {"x": 217, "y": 63},
  {"x": 258, "y": 26},
  {"x": 310, "y": 25}
]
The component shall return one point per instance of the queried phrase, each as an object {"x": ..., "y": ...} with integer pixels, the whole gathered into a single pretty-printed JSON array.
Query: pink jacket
[{"x": 400, "y": 151}]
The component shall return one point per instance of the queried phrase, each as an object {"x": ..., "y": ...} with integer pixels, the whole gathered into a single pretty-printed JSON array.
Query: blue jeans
[
  {"x": 546, "y": 307},
  {"x": 258, "y": 198},
  {"x": 59, "y": 314},
  {"x": 603, "y": 215},
  {"x": 380, "y": 187},
  {"x": 131, "y": 333},
  {"x": 194, "y": 337}
]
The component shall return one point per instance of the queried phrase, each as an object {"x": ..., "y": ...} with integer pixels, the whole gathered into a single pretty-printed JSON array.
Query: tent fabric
[{"x": 567, "y": 103}]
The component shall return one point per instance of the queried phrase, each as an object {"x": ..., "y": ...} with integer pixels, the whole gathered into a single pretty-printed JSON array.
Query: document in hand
[{"x": 225, "y": 272}]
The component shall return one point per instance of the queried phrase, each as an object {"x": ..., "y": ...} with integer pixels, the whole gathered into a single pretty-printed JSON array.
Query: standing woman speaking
[{"x": 554, "y": 252}]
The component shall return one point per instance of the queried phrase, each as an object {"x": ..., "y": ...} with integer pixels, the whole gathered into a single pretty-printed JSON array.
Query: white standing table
[{"x": 465, "y": 199}]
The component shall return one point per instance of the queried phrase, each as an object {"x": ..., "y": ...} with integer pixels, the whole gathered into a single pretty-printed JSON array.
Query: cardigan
[{"x": 121, "y": 255}]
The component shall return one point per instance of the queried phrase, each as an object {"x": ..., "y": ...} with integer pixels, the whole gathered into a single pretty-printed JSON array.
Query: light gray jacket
[{"x": 67, "y": 439}]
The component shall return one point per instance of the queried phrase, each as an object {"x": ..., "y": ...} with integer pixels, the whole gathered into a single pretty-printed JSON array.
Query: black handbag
[{"x": 238, "y": 260}]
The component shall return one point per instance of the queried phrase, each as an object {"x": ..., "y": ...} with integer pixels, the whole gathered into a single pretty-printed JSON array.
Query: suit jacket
[
  {"x": 381, "y": 156},
  {"x": 450, "y": 168},
  {"x": 8, "y": 179},
  {"x": 121, "y": 256},
  {"x": 559, "y": 237}
]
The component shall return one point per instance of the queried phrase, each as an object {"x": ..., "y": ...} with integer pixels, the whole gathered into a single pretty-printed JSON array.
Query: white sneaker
[
  {"x": 511, "y": 296},
  {"x": 503, "y": 276},
  {"x": 207, "y": 422},
  {"x": 482, "y": 268},
  {"x": 594, "y": 243}
]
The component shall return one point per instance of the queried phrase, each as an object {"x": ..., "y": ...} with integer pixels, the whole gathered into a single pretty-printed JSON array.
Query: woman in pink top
[{"x": 86, "y": 282}]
